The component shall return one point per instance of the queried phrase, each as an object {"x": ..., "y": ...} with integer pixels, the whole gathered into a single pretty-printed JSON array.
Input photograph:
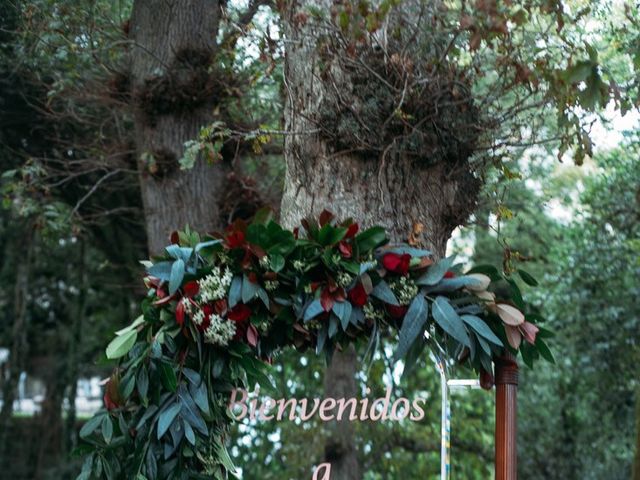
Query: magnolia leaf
[
  {"x": 333, "y": 326},
  {"x": 189, "y": 433},
  {"x": 384, "y": 293},
  {"x": 544, "y": 350},
  {"x": 449, "y": 321},
  {"x": 481, "y": 328},
  {"x": 509, "y": 314},
  {"x": 161, "y": 270},
  {"x": 92, "y": 424},
  {"x": 343, "y": 311},
  {"x": 479, "y": 282},
  {"x": 107, "y": 429},
  {"x": 436, "y": 272},
  {"x": 315, "y": 308},
  {"x": 136, "y": 322},
  {"x": 528, "y": 278},
  {"x": 414, "y": 252},
  {"x": 177, "y": 274},
  {"x": 167, "y": 417},
  {"x": 121, "y": 345},
  {"x": 235, "y": 291},
  {"x": 412, "y": 325},
  {"x": 168, "y": 376},
  {"x": 371, "y": 238},
  {"x": 249, "y": 289},
  {"x": 452, "y": 284},
  {"x": 514, "y": 337}
]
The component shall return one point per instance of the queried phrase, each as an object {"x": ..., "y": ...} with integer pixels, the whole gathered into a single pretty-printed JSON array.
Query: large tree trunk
[
  {"x": 413, "y": 202},
  {"x": 19, "y": 345},
  {"x": 174, "y": 45},
  {"x": 636, "y": 460}
]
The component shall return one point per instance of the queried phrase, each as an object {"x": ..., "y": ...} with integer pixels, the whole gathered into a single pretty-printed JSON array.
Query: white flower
[
  {"x": 198, "y": 317},
  {"x": 299, "y": 265},
  {"x": 220, "y": 331},
  {"x": 344, "y": 279},
  {"x": 372, "y": 313},
  {"x": 215, "y": 285},
  {"x": 265, "y": 262},
  {"x": 271, "y": 285},
  {"x": 405, "y": 289},
  {"x": 188, "y": 306}
]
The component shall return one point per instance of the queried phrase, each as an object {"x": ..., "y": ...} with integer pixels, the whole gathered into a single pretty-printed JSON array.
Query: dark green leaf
[
  {"x": 91, "y": 425},
  {"x": 436, "y": 272},
  {"x": 481, "y": 328},
  {"x": 121, "y": 345},
  {"x": 412, "y": 326},
  {"x": 449, "y": 321},
  {"x": 168, "y": 376},
  {"x": 177, "y": 274},
  {"x": 107, "y": 429},
  {"x": 235, "y": 291},
  {"x": 384, "y": 293},
  {"x": 527, "y": 278},
  {"x": 343, "y": 311},
  {"x": 370, "y": 239},
  {"x": 167, "y": 417},
  {"x": 249, "y": 289}
]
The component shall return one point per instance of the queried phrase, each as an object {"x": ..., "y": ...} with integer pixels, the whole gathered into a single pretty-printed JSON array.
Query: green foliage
[{"x": 216, "y": 311}]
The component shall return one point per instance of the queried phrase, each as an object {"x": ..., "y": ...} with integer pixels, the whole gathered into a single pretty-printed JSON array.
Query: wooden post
[{"x": 506, "y": 418}]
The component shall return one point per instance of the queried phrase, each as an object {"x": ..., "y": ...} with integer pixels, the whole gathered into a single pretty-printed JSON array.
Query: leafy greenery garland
[{"x": 218, "y": 309}]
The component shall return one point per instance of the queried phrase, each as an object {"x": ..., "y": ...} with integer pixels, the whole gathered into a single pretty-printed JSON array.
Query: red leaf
[
  {"x": 235, "y": 239},
  {"x": 190, "y": 289},
  {"x": 358, "y": 295},
  {"x": 345, "y": 249},
  {"x": 325, "y": 217},
  {"x": 486, "y": 379},
  {"x": 220, "y": 307},
  {"x": 352, "y": 230},
  {"x": 449, "y": 274},
  {"x": 514, "y": 337},
  {"x": 397, "y": 311},
  {"x": 175, "y": 238},
  {"x": 529, "y": 332},
  {"x": 180, "y": 314},
  {"x": 240, "y": 313},
  {"x": 326, "y": 300},
  {"x": 252, "y": 336}
]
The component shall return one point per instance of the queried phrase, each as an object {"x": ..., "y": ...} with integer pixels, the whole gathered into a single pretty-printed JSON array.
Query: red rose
[
  {"x": 358, "y": 295},
  {"x": 396, "y": 263},
  {"x": 190, "y": 289},
  {"x": 346, "y": 250},
  {"x": 449, "y": 274},
  {"x": 397, "y": 311},
  {"x": 240, "y": 313},
  {"x": 235, "y": 239}
]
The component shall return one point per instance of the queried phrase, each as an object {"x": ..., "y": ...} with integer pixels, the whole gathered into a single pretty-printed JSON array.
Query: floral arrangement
[{"x": 219, "y": 308}]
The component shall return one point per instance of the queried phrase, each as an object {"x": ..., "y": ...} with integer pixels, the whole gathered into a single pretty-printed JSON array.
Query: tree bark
[
  {"x": 636, "y": 460},
  {"x": 18, "y": 352},
  {"x": 174, "y": 44},
  {"x": 409, "y": 200}
]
